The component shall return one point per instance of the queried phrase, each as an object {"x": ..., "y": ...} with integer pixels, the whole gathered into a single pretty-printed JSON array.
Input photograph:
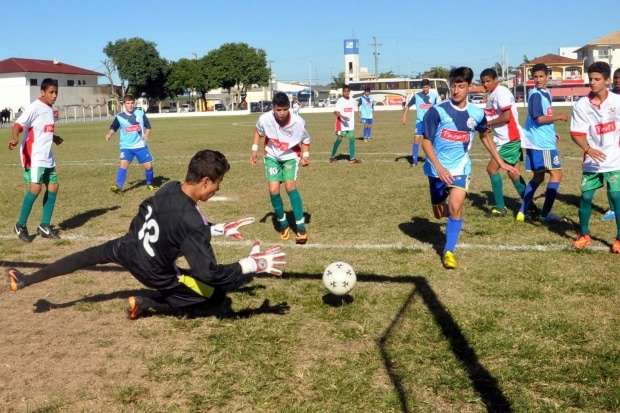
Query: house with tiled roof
[
  {"x": 20, "y": 83},
  {"x": 567, "y": 77},
  {"x": 606, "y": 48}
]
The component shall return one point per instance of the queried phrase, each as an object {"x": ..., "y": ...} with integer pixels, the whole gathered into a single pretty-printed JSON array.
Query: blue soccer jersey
[
  {"x": 131, "y": 127},
  {"x": 452, "y": 130},
  {"x": 366, "y": 104},
  {"x": 536, "y": 135},
  {"x": 423, "y": 103}
]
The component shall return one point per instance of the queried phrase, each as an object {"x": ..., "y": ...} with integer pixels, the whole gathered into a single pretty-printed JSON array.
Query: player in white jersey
[
  {"x": 503, "y": 118},
  {"x": 287, "y": 145},
  {"x": 595, "y": 128},
  {"x": 296, "y": 107},
  {"x": 36, "y": 124},
  {"x": 345, "y": 125}
]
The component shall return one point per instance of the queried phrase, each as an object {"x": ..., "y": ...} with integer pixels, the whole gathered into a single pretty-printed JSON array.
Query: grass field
[{"x": 524, "y": 324}]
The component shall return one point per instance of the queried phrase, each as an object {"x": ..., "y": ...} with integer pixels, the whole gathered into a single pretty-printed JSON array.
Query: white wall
[{"x": 13, "y": 92}]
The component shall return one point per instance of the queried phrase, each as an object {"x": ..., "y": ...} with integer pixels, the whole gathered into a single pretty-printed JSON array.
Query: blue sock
[
  {"x": 528, "y": 195},
  {"x": 369, "y": 133},
  {"x": 550, "y": 194},
  {"x": 453, "y": 229},
  {"x": 121, "y": 176},
  {"x": 148, "y": 174},
  {"x": 415, "y": 150}
]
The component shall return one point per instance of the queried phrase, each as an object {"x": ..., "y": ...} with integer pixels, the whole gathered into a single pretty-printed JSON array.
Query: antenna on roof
[{"x": 55, "y": 61}]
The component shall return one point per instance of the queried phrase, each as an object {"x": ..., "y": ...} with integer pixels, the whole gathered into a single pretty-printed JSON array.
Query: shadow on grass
[
  {"x": 289, "y": 217},
  {"x": 409, "y": 159},
  {"x": 80, "y": 219},
  {"x": 481, "y": 379},
  {"x": 575, "y": 200},
  {"x": 484, "y": 201},
  {"x": 424, "y": 231},
  {"x": 158, "y": 181}
]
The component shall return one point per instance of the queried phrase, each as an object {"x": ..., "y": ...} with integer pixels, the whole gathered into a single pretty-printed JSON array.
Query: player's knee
[
  {"x": 290, "y": 186},
  {"x": 35, "y": 188}
]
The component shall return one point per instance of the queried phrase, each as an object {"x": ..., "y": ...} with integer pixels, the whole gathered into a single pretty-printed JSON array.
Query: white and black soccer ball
[{"x": 339, "y": 278}]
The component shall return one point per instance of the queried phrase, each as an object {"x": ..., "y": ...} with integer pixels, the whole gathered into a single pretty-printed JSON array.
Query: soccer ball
[{"x": 339, "y": 278}]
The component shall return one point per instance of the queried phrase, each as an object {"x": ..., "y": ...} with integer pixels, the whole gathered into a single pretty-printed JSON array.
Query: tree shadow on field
[
  {"x": 289, "y": 217},
  {"x": 158, "y": 181},
  {"x": 481, "y": 379},
  {"x": 82, "y": 218},
  {"x": 424, "y": 231}
]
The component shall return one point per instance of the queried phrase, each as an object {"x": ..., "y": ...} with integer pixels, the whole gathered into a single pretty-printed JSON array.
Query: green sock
[
  {"x": 27, "y": 204},
  {"x": 614, "y": 197},
  {"x": 298, "y": 209},
  {"x": 585, "y": 211},
  {"x": 519, "y": 185},
  {"x": 49, "y": 200},
  {"x": 498, "y": 190},
  {"x": 278, "y": 208},
  {"x": 352, "y": 148},
  {"x": 335, "y": 147}
]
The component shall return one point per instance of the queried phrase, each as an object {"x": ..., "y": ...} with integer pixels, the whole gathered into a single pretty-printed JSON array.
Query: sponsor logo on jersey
[
  {"x": 425, "y": 106},
  {"x": 283, "y": 146},
  {"x": 348, "y": 110},
  {"x": 133, "y": 128},
  {"x": 48, "y": 128},
  {"x": 471, "y": 123},
  {"x": 455, "y": 135},
  {"x": 490, "y": 112},
  {"x": 603, "y": 128}
]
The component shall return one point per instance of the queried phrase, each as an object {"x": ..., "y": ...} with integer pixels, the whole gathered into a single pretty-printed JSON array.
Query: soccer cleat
[
  {"x": 520, "y": 217},
  {"x": 46, "y": 231},
  {"x": 136, "y": 307},
  {"x": 449, "y": 260},
  {"x": 332, "y": 160},
  {"x": 582, "y": 242},
  {"x": 151, "y": 188},
  {"x": 301, "y": 237},
  {"x": 354, "y": 161},
  {"x": 22, "y": 233},
  {"x": 285, "y": 234},
  {"x": 116, "y": 189},
  {"x": 615, "y": 248},
  {"x": 15, "y": 279},
  {"x": 499, "y": 212},
  {"x": 610, "y": 215}
]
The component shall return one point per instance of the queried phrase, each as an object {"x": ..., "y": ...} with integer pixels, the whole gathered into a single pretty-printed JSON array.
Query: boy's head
[
  {"x": 346, "y": 91},
  {"x": 205, "y": 171},
  {"x": 281, "y": 106},
  {"x": 129, "y": 103},
  {"x": 488, "y": 78},
  {"x": 367, "y": 91},
  {"x": 49, "y": 91},
  {"x": 599, "y": 74},
  {"x": 539, "y": 74},
  {"x": 617, "y": 80},
  {"x": 426, "y": 86},
  {"x": 460, "y": 78}
]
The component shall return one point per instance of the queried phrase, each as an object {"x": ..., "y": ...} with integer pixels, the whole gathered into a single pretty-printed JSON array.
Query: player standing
[
  {"x": 449, "y": 129},
  {"x": 345, "y": 125},
  {"x": 366, "y": 105},
  {"x": 135, "y": 130},
  {"x": 595, "y": 128},
  {"x": 540, "y": 143},
  {"x": 423, "y": 101},
  {"x": 610, "y": 215},
  {"x": 36, "y": 124},
  {"x": 503, "y": 118},
  {"x": 287, "y": 145}
]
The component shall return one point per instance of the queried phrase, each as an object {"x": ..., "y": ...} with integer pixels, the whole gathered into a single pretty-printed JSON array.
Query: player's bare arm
[
  {"x": 443, "y": 173},
  {"x": 582, "y": 142},
  {"x": 501, "y": 120},
  {"x": 305, "y": 154},
  {"x": 108, "y": 135},
  {"x": 544, "y": 120},
  {"x": 14, "y": 137},
  {"x": 254, "y": 148},
  {"x": 147, "y": 134}
]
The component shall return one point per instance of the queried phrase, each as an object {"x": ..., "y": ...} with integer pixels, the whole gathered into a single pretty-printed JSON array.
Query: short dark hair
[
  {"x": 347, "y": 87},
  {"x": 490, "y": 72},
  {"x": 367, "y": 89},
  {"x": 600, "y": 67},
  {"x": 426, "y": 82},
  {"x": 461, "y": 74},
  {"x": 207, "y": 163},
  {"x": 128, "y": 98},
  {"x": 617, "y": 72},
  {"x": 280, "y": 99},
  {"x": 48, "y": 82},
  {"x": 539, "y": 67}
]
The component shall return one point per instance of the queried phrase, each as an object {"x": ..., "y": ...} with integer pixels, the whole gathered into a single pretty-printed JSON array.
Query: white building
[
  {"x": 20, "y": 83},
  {"x": 605, "y": 48},
  {"x": 570, "y": 52}
]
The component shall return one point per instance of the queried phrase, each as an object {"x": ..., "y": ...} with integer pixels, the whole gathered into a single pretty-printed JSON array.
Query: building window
[
  {"x": 603, "y": 53},
  {"x": 33, "y": 82},
  {"x": 70, "y": 82}
]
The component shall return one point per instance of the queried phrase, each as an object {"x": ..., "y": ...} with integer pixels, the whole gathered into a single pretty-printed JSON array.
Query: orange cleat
[{"x": 582, "y": 242}]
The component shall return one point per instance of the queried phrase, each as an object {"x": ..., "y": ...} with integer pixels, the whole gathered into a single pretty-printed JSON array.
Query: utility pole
[{"x": 376, "y": 54}]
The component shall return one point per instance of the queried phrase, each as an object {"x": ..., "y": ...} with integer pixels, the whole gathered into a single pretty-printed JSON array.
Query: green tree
[
  {"x": 388, "y": 75},
  {"x": 238, "y": 66},
  {"x": 190, "y": 75},
  {"x": 337, "y": 81},
  {"x": 437, "y": 72}
]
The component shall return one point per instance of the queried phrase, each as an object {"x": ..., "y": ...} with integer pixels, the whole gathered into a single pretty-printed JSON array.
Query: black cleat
[
  {"x": 46, "y": 231},
  {"x": 22, "y": 233}
]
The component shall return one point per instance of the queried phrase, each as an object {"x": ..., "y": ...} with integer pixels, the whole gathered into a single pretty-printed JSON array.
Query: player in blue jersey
[
  {"x": 449, "y": 129},
  {"x": 366, "y": 105},
  {"x": 135, "y": 129},
  {"x": 540, "y": 143},
  {"x": 423, "y": 101}
]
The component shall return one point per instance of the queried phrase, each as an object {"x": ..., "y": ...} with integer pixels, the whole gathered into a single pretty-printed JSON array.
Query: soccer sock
[
  {"x": 528, "y": 195},
  {"x": 453, "y": 229},
  {"x": 49, "y": 200},
  {"x": 550, "y": 194},
  {"x": 498, "y": 190},
  {"x": 298, "y": 209},
  {"x": 121, "y": 176},
  {"x": 519, "y": 185},
  {"x": 148, "y": 174},
  {"x": 615, "y": 204},
  {"x": 369, "y": 132},
  {"x": 278, "y": 208},
  {"x": 335, "y": 147},
  {"x": 415, "y": 150},
  {"x": 352, "y": 148},
  {"x": 585, "y": 210},
  {"x": 611, "y": 201},
  {"x": 27, "y": 204}
]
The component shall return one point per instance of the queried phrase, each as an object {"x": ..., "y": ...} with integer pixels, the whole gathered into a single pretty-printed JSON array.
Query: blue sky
[{"x": 305, "y": 39}]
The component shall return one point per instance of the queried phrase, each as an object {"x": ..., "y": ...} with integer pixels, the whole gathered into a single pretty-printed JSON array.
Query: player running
[
  {"x": 36, "y": 124},
  {"x": 366, "y": 105},
  {"x": 135, "y": 130},
  {"x": 449, "y": 129},
  {"x": 345, "y": 125},
  {"x": 169, "y": 225},
  {"x": 287, "y": 145},
  {"x": 595, "y": 128},
  {"x": 423, "y": 101}
]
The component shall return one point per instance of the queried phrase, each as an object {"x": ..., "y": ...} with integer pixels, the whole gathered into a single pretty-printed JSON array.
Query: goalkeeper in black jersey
[{"x": 167, "y": 226}]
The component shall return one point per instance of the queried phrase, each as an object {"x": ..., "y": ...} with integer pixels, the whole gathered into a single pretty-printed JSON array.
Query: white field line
[{"x": 397, "y": 246}]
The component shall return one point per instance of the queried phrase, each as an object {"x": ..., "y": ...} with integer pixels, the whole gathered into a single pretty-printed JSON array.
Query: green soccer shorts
[
  {"x": 281, "y": 171},
  {"x": 595, "y": 180},
  {"x": 40, "y": 175}
]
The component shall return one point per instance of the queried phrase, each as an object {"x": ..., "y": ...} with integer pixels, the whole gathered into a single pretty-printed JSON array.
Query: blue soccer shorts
[
  {"x": 542, "y": 159},
  {"x": 367, "y": 121},
  {"x": 439, "y": 190},
  {"x": 143, "y": 155},
  {"x": 419, "y": 128}
]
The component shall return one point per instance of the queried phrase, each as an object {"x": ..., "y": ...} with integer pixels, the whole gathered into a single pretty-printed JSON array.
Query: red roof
[
  {"x": 18, "y": 65},
  {"x": 551, "y": 58}
]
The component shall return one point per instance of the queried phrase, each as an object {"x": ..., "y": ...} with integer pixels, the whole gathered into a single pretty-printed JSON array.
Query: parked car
[
  {"x": 476, "y": 98},
  {"x": 219, "y": 107},
  {"x": 261, "y": 106}
]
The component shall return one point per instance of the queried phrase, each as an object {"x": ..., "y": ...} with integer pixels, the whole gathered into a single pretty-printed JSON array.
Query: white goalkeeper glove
[
  {"x": 231, "y": 229},
  {"x": 270, "y": 261}
]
